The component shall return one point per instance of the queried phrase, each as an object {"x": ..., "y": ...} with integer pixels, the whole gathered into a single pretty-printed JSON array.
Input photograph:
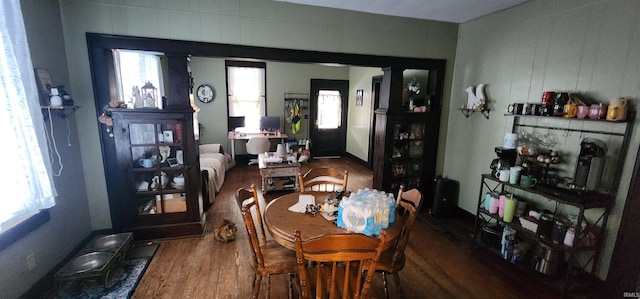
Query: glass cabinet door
[
  {"x": 156, "y": 154},
  {"x": 407, "y": 151}
]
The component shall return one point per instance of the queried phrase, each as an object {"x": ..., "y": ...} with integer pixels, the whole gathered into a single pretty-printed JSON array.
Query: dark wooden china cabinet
[
  {"x": 150, "y": 153},
  {"x": 407, "y": 129}
]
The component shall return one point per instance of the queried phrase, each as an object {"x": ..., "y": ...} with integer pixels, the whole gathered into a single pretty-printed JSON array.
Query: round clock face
[{"x": 206, "y": 93}]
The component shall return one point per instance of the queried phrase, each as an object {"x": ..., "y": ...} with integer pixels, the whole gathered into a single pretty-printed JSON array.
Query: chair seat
[{"x": 277, "y": 259}]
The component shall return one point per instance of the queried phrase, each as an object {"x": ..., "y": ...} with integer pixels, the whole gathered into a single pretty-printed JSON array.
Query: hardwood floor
[{"x": 436, "y": 267}]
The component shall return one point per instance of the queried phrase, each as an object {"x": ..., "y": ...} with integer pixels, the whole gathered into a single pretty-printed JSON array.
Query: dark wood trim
[
  {"x": 251, "y": 52},
  {"x": 376, "y": 86},
  {"x": 23, "y": 228}
]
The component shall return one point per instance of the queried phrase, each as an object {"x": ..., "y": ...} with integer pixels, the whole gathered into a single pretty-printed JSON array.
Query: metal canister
[
  {"x": 546, "y": 225},
  {"x": 559, "y": 230},
  {"x": 546, "y": 259}
]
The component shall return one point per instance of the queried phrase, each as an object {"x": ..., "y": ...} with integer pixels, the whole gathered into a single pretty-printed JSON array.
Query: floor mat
[
  {"x": 122, "y": 280},
  {"x": 456, "y": 229}
]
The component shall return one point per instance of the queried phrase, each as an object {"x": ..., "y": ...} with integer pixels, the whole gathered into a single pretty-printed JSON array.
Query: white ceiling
[{"x": 456, "y": 11}]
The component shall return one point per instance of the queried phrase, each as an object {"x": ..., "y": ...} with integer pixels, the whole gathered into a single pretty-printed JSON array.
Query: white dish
[
  {"x": 176, "y": 186},
  {"x": 328, "y": 216}
]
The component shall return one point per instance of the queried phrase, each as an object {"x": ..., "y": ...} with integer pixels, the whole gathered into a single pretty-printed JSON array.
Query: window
[
  {"x": 246, "y": 83},
  {"x": 329, "y": 109},
  {"x": 134, "y": 70},
  {"x": 27, "y": 169}
]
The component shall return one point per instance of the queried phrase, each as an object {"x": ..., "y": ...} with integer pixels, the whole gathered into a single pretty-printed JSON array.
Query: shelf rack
[
  {"x": 62, "y": 111},
  {"x": 582, "y": 200},
  {"x": 468, "y": 112}
]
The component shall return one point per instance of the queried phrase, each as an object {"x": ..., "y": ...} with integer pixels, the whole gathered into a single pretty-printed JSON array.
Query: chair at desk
[{"x": 257, "y": 145}]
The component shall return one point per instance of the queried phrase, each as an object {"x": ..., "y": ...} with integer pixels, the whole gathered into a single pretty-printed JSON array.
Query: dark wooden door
[{"x": 328, "y": 112}]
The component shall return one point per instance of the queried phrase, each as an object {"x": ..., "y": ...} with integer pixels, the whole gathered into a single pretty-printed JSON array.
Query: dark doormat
[
  {"x": 122, "y": 279},
  {"x": 456, "y": 229}
]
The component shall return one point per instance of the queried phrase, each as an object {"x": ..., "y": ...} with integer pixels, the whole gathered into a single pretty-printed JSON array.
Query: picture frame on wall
[{"x": 359, "y": 96}]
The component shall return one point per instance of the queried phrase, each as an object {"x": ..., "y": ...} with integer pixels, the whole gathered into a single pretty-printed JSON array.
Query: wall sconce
[{"x": 359, "y": 95}]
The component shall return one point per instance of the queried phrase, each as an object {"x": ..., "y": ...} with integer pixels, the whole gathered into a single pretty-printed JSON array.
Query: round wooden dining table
[{"x": 281, "y": 222}]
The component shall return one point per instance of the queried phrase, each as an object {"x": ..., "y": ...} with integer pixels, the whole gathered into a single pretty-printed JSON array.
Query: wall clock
[{"x": 206, "y": 93}]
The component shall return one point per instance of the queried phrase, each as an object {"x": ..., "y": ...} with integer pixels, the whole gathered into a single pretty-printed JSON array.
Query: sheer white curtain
[
  {"x": 247, "y": 95},
  {"x": 329, "y": 109},
  {"x": 135, "y": 68},
  {"x": 26, "y": 167}
]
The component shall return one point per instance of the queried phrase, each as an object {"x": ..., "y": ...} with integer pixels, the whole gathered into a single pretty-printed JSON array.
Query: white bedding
[{"x": 215, "y": 162}]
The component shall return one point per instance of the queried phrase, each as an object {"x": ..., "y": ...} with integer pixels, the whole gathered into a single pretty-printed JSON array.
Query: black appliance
[
  {"x": 590, "y": 164},
  {"x": 506, "y": 159},
  {"x": 445, "y": 197}
]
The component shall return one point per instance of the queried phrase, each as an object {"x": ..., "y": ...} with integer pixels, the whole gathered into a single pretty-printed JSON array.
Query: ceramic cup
[
  {"x": 583, "y": 111},
  {"x": 514, "y": 174},
  {"x": 527, "y": 181},
  {"x": 548, "y": 97},
  {"x": 570, "y": 110},
  {"x": 596, "y": 111},
  {"x": 503, "y": 175},
  {"x": 146, "y": 163}
]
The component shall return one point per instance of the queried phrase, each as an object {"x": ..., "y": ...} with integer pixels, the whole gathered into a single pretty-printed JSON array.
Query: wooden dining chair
[
  {"x": 323, "y": 179},
  {"x": 267, "y": 257},
  {"x": 392, "y": 260},
  {"x": 414, "y": 196},
  {"x": 339, "y": 263}
]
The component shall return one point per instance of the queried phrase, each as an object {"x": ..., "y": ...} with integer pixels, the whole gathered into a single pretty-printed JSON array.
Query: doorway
[{"x": 328, "y": 112}]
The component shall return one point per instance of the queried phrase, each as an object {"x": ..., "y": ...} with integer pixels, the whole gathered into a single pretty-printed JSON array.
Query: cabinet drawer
[{"x": 278, "y": 172}]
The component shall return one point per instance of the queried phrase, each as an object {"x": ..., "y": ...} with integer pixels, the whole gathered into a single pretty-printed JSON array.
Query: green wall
[{"x": 588, "y": 47}]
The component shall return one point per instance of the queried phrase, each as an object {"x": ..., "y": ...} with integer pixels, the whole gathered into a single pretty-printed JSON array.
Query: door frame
[
  {"x": 343, "y": 87},
  {"x": 376, "y": 83}
]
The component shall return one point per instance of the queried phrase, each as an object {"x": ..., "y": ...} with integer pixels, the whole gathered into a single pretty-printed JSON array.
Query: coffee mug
[
  {"x": 570, "y": 110},
  {"x": 146, "y": 163},
  {"x": 617, "y": 109},
  {"x": 596, "y": 111},
  {"x": 548, "y": 97},
  {"x": 527, "y": 181},
  {"x": 583, "y": 111},
  {"x": 503, "y": 175},
  {"x": 546, "y": 110}
]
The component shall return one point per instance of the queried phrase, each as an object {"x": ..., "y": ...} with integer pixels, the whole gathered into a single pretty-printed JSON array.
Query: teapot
[
  {"x": 162, "y": 180},
  {"x": 617, "y": 109}
]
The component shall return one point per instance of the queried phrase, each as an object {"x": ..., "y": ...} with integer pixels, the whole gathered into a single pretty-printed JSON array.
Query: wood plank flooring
[{"x": 436, "y": 267}]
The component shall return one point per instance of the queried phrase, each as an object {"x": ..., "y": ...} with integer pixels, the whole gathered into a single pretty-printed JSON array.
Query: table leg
[{"x": 233, "y": 149}]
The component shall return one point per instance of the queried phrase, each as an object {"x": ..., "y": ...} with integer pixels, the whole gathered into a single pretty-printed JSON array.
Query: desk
[
  {"x": 281, "y": 222},
  {"x": 247, "y": 136},
  {"x": 278, "y": 176}
]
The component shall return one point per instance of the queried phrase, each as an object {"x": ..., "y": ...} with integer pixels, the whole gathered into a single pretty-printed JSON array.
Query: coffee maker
[
  {"x": 590, "y": 164},
  {"x": 506, "y": 159}
]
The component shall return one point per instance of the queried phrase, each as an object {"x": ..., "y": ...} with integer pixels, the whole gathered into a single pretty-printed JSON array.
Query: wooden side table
[{"x": 278, "y": 176}]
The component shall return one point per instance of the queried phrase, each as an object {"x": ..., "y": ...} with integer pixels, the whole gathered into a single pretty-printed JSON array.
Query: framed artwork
[
  {"x": 359, "y": 95},
  {"x": 167, "y": 136}
]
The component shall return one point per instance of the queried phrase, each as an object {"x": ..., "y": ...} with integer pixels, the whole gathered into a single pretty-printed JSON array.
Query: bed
[{"x": 214, "y": 163}]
